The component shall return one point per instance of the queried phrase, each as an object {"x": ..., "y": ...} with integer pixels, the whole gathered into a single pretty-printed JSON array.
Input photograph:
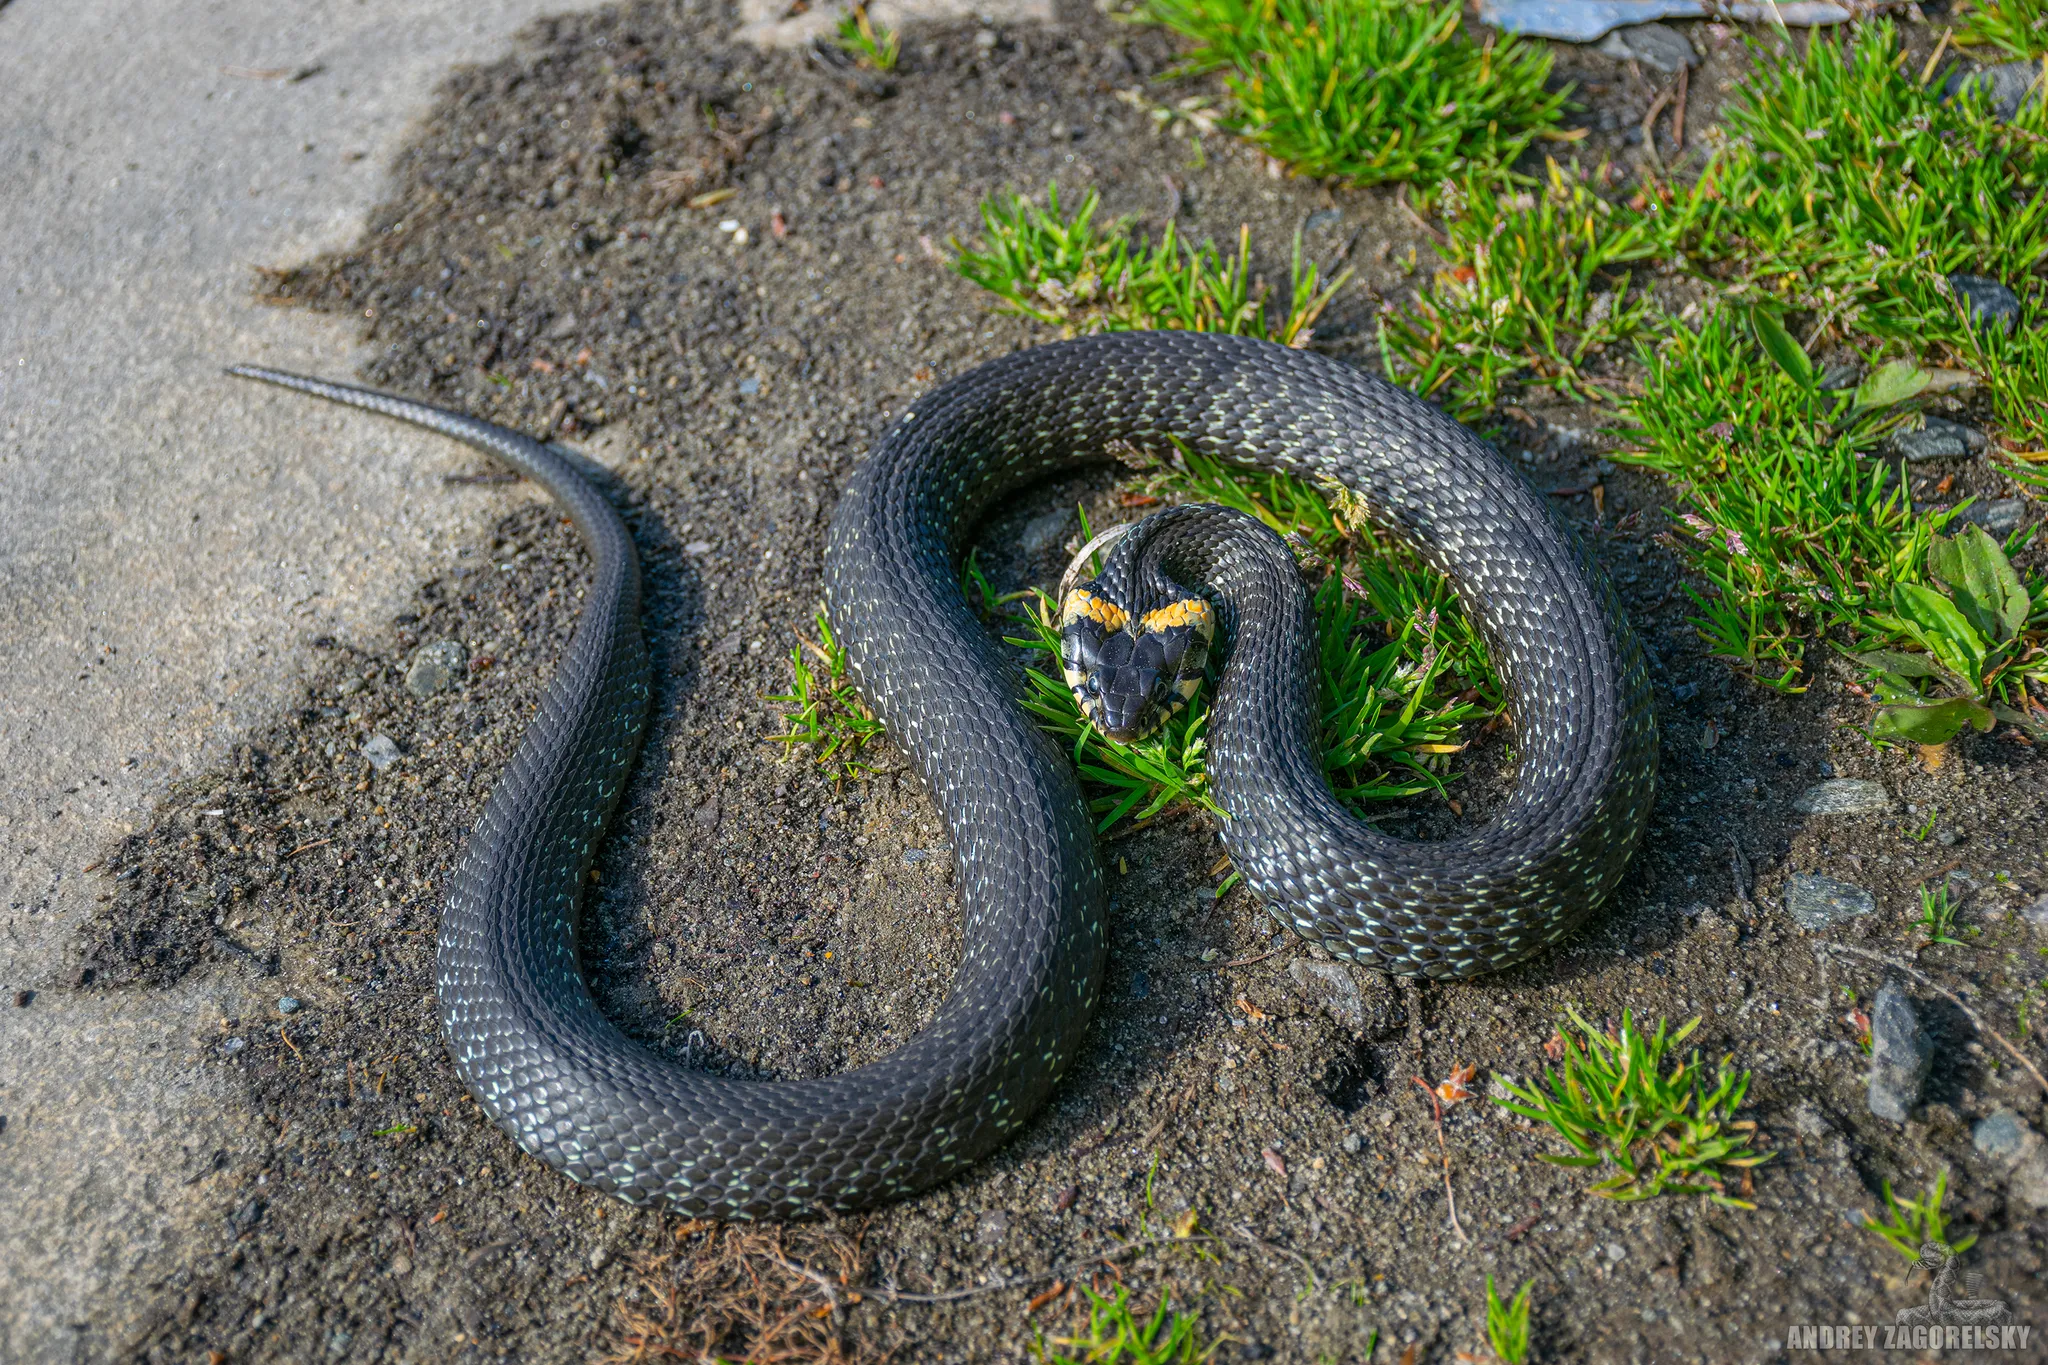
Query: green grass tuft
[
  {"x": 1909, "y": 1224},
  {"x": 1066, "y": 271},
  {"x": 1848, "y": 189},
  {"x": 823, "y": 708},
  {"x": 1369, "y": 90},
  {"x": 1667, "y": 1133},
  {"x": 869, "y": 45},
  {"x": 1507, "y": 1324},
  {"x": 1793, "y": 530},
  {"x": 1938, "y": 917},
  {"x": 1535, "y": 289},
  {"x": 1114, "y": 1335},
  {"x": 2014, "y": 28}
]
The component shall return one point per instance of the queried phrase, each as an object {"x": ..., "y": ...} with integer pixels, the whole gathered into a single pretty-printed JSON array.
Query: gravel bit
[
  {"x": 1657, "y": 46},
  {"x": 2008, "y": 1143},
  {"x": 1936, "y": 438},
  {"x": 288, "y": 1004},
  {"x": 1901, "y": 1054},
  {"x": 436, "y": 667},
  {"x": 1844, "y": 796},
  {"x": 1990, "y": 302},
  {"x": 382, "y": 751},
  {"x": 1330, "y": 987},
  {"x": 1818, "y": 902},
  {"x": 2010, "y": 85},
  {"x": 1999, "y": 516}
]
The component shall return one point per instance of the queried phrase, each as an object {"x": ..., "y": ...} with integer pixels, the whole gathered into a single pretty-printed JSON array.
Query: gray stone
[
  {"x": 436, "y": 667},
  {"x": 1330, "y": 987},
  {"x": 1990, "y": 302},
  {"x": 992, "y": 1227},
  {"x": 2036, "y": 912},
  {"x": 1810, "y": 1122},
  {"x": 382, "y": 751},
  {"x": 1043, "y": 534},
  {"x": 2008, "y": 86},
  {"x": 1901, "y": 1054},
  {"x": 288, "y": 1004},
  {"x": 1817, "y": 902},
  {"x": 2002, "y": 1137},
  {"x": 1999, "y": 516},
  {"x": 1581, "y": 21},
  {"x": 1936, "y": 438},
  {"x": 1657, "y": 46},
  {"x": 1844, "y": 796},
  {"x": 2019, "y": 1152}
]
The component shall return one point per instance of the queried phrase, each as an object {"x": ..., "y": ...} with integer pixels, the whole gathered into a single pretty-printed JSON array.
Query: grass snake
[{"x": 571, "y": 1088}]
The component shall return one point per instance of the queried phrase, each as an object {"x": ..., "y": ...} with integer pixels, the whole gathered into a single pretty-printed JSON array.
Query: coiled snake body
[{"x": 575, "y": 1091}]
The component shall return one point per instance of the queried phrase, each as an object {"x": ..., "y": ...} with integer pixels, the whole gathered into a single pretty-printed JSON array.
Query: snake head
[{"x": 1129, "y": 676}]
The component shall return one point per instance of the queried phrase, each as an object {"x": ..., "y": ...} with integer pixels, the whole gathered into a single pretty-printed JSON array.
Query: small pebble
[
  {"x": 599, "y": 1257},
  {"x": 1990, "y": 302},
  {"x": 1936, "y": 438},
  {"x": 1331, "y": 988},
  {"x": 1844, "y": 796},
  {"x": 697, "y": 547},
  {"x": 1616, "y": 1252},
  {"x": 288, "y": 1004},
  {"x": 1352, "y": 1143},
  {"x": 1999, "y": 516},
  {"x": 345, "y": 1135},
  {"x": 233, "y": 1046},
  {"x": 1043, "y": 534},
  {"x": 2007, "y": 86},
  {"x": 1810, "y": 1122},
  {"x": 436, "y": 667},
  {"x": 1901, "y": 1054},
  {"x": 1817, "y": 902},
  {"x": 23, "y": 999},
  {"x": 1657, "y": 46},
  {"x": 1141, "y": 985},
  {"x": 382, "y": 751},
  {"x": 2001, "y": 1137},
  {"x": 992, "y": 1227},
  {"x": 750, "y": 385}
]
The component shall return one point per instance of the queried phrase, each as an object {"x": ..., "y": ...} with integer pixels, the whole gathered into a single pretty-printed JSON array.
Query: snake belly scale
[{"x": 572, "y": 1089}]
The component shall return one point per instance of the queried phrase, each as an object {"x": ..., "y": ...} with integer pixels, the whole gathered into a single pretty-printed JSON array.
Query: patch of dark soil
[{"x": 540, "y": 266}]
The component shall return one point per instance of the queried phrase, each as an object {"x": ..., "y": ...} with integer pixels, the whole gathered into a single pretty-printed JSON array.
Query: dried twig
[
  {"x": 1449, "y": 1198},
  {"x": 1961, "y": 1004},
  {"x": 1678, "y": 113}
]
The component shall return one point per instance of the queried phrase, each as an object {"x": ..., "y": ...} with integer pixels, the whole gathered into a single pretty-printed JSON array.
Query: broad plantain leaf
[
  {"x": 1888, "y": 385},
  {"x": 2032, "y": 724},
  {"x": 1938, "y": 627},
  {"x": 1936, "y": 723},
  {"x": 1974, "y": 569},
  {"x": 1899, "y": 662},
  {"x": 1783, "y": 347}
]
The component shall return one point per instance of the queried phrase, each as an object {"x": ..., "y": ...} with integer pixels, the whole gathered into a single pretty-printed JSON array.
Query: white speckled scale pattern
[{"x": 572, "y": 1089}]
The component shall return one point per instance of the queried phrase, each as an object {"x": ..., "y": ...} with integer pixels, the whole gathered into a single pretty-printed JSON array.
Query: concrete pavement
[{"x": 170, "y": 540}]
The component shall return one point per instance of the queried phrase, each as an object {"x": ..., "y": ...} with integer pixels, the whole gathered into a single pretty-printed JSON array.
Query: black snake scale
[{"x": 572, "y": 1089}]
